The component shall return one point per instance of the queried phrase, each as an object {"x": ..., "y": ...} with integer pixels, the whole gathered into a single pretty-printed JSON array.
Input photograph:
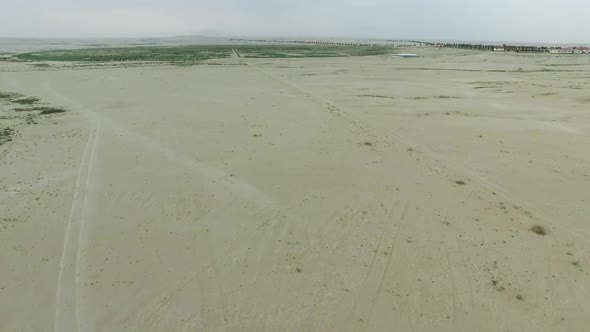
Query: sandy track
[
  {"x": 74, "y": 264},
  {"x": 68, "y": 284}
]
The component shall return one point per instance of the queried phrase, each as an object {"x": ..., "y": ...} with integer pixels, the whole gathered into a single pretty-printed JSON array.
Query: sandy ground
[{"x": 301, "y": 194}]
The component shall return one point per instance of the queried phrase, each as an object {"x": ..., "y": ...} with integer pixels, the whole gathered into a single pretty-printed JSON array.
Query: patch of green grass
[
  {"x": 6, "y": 135},
  {"x": 377, "y": 96},
  {"x": 5, "y": 58},
  {"x": 9, "y": 95},
  {"x": 50, "y": 110},
  {"x": 493, "y": 83},
  {"x": 199, "y": 53},
  {"x": 23, "y": 109},
  {"x": 309, "y": 51},
  {"x": 447, "y": 97},
  {"x": 41, "y": 65},
  {"x": 44, "y": 110},
  {"x": 124, "y": 54}
]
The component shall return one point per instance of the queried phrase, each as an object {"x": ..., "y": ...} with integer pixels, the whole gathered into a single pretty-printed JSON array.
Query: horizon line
[{"x": 229, "y": 37}]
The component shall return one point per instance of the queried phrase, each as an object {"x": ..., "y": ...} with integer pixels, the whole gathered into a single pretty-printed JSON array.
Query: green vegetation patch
[
  {"x": 23, "y": 109},
  {"x": 309, "y": 51},
  {"x": 26, "y": 101},
  {"x": 5, "y": 58},
  {"x": 123, "y": 54},
  {"x": 6, "y": 135},
  {"x": 447, "y": 97},
  {"x": 539, "y": 230},
  {"x": 41, "y": 65},
  {"x": 10, "y": 95},
  {"x": 199, "y": 53},
  {"x": 49, "y": 110},
  {"x": 44, "y": 110},
  {"x": 377, "y": 96}
]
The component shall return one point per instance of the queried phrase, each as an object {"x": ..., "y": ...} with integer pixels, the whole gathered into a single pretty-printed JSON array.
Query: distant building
[
  {"x": 583, "y": 50},
  {"x": 499, "y": 49},
  {"x": 561, "y": 51},
  {"x": 438, "y": 45}
]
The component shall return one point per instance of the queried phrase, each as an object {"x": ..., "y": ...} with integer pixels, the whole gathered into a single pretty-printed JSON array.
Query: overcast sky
[{"x": 488, "y": 20}]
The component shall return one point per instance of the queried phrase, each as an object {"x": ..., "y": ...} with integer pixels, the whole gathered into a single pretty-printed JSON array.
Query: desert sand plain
[{"x": 445, "y": 193}]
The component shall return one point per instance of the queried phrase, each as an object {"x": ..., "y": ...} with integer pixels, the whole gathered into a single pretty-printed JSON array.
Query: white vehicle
[{"x": 405, "y": 56}]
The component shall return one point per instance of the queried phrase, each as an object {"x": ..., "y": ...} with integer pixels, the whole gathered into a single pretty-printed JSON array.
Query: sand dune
[{"x": 360, "y": 193}]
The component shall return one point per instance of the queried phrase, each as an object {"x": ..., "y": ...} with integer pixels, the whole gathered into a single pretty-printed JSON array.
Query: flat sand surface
[{"x": 343, "y": 194}]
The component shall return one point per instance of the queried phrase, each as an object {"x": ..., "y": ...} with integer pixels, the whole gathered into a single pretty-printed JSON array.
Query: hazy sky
[{"x": 493, "y": 20}]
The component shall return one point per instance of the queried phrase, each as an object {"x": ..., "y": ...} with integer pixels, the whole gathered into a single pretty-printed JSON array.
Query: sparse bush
[
  {"x": 6, "y": 135},
  {"x": 49, "y": 110},
  {"x": 26, "y": 101},
  {"x": 539, "y": 230},
  {"x": 9, "y": 95},
  {"x": 447, "y": 97}
]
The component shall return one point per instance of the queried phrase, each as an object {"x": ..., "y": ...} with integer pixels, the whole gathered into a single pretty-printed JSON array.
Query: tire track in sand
[
  {"x": 372, "y": 285},
  {"x": 68, "y": 315},
  {"x": 67, "y": 288}
]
